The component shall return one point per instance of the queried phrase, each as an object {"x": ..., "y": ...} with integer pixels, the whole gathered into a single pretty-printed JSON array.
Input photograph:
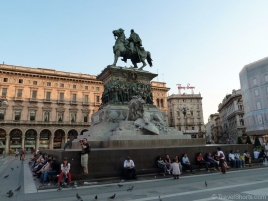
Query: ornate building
[
  {"x": 231, "y": 112},
  {"x": 185, "y": 114},
  {"x": 212, "y": 127},
  {"x": 254, "y": 86},
  {"x": 46, "y": 107}
]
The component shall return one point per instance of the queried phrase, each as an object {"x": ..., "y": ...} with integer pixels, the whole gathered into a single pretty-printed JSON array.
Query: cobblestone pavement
[{"x": 238, "y": 184}]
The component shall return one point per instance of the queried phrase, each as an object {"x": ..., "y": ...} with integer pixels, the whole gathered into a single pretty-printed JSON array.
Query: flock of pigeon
[{"x": 10, "y": 192}]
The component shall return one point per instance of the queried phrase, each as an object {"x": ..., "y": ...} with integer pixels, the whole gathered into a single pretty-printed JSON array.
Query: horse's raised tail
[{"x": 149, "y": 59}]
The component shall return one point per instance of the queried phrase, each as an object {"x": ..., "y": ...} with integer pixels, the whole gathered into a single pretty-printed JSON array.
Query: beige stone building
[
  {"x": 212, "y": 127},
  {"x": 231, "y": 113},
  {"x": 46, "y": 107},
  {"x": 192, "y": 123}
]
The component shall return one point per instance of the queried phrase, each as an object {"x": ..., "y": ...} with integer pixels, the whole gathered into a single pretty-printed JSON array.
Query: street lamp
[
  {"x": 184, "y": 111},
  {"x": 3, "y": 102}
]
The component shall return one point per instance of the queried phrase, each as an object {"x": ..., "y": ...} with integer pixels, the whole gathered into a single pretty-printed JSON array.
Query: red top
[{"x": 199, "y": 157}]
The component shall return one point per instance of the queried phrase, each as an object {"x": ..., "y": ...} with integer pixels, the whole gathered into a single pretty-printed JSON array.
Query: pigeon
[
  {"x": 12, "y": 169},
  {"x": 10, "y": 193},
  {"x": 130, "y": 189},
  {"x": 17, "y": 166},
  {"x": 160, "y": 198},
  {"x": 96, "y": 197},
  {"x": 119, "y": 185},
  {"x": 78, "y": 197},
  {"x": 206, "y": 184},
  {"x": 59, "y": 189},
  {"x": 6, "y": 176},
  {"x": 112, "y": 197},
  {"x": 18, "y": 188}
]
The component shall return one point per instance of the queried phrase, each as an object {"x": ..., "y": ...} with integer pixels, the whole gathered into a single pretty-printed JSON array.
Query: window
[
  {"x": 254, "y": 81},
  {"x": 61, "y": 96},
  {"x": 49, "y": 84},
  {"x": 186, "y": 128},
  {"x": 48, "y": 93},
  {"x": 256, "y": 92},
  {"x": 4, "y": 92},
  {"x": 61, "y": 85},
  {"x": 35, "y": 82},
  {"x": 5, "y": 79},
  {"x": 85, "y": 117},
  {"x": 21, "y": 81},
  {"x": 192, "y": 113},
  {"x": 34, "y": 94},
  {"x": 2, "y": 114},
  {"x": 46, "y": 116},
  {"x": 32, "y": 116},
  {"x": 97, "y": 99},
  {"x": 74, "y": 86},
  {"x": 86, "y": 99},
  {"x": 17, "y": 115},
  {"x": 192, "y": 128},
  {"x": 97, "y": 88},
  {"x": 73, "y": 117},
  {"x": 162, "y": 103},
  {"x": 74, "y": 98},
  {"x": 266, "y": 78},
  {"x": 258, "y": 105},
  {"x": 86, "y": 87},
  {"x": 60, "y": 117},
  {"x": 179, "y": 128},
  {"x": 19, "y": 93},
  {"x": 178, "y": 113}
]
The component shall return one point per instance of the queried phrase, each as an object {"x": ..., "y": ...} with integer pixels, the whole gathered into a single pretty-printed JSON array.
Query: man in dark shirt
[
  {"x": 52, "y": 170},
  {"x": 84, "y": 155}
]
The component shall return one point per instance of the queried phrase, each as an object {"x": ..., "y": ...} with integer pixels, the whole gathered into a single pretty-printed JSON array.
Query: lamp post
[
  {"x": 184, "y": 111},
  {"x": 263, "y": 128},
  {"x": 3, "y": 102}
]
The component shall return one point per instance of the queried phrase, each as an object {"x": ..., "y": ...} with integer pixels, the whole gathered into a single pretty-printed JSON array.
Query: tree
[
  {"x": 248, "y": 140},
  {"x": 239, "y": 140},
  {"x": 257, "y": 142}
]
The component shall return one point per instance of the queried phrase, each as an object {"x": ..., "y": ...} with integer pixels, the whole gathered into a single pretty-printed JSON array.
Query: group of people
[{"x": 43, "y": 166}]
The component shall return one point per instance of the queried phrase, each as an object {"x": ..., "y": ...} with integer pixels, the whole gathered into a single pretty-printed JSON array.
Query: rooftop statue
[{"x": 130, "y": 48}]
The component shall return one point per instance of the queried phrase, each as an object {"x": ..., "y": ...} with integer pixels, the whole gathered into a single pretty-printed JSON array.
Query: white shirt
[
  {"x": 256, "y": 154},
  {"x": 65, "y": 168},
  {"x": 36, "y": 152},
  {"x": 129, "y": 163},
  {"x": 219, "y": 153},
  {"x": 231, "y": 156}
]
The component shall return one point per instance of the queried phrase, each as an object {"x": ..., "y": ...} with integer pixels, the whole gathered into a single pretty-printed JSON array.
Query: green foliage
[
  {"x": 248, "y": 140},
  {"x": 239, "y": 140},
  {"x": 257, "y": 142}
]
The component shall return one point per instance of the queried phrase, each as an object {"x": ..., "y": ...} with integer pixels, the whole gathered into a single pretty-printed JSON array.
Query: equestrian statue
[{"x": 130, "y": 48}]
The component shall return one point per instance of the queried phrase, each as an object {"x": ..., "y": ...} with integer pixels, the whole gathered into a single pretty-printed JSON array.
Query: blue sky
[{"x": 205, "y": 43}]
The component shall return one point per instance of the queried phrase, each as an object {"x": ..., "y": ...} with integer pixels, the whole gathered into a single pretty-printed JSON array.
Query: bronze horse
[{"x": 121, "y": 49}]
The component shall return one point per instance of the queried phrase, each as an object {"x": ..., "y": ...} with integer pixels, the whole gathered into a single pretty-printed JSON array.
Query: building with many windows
[
  {"x": 185, "y": 114},
  {"x": 231, "y": 113},
  {"x": 46, "y": 107},
  {"x": 211, "y": 127},
  {"x": 254, "y": 86}
]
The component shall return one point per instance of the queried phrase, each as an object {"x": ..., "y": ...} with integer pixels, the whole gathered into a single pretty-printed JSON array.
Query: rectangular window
[
  {"x": 21, "y": 81},
  {"x": 97, "y": 88},
  {"x": 17, "y": 115},
  {"x": 192, "y": 128},
  {"x": 256, "y": 92},
  {"x": 19, "y": 93},
  {"x": 74, "y": 98},
  {"x": 49, "y": 84},
  {"x": 258, "y": 105},
  {"x": 5, "y": 79},
  {"x": 32, "y": 116},
  {"x": 86, "y": 87},
  {"x": 254, "y": 81},
  {"x": 48, "y": 93},
  {"x": 61, "y": 96},
  {"x": 85, "y": 118},
  {"x": 2, "y": 114},
  {"x": 74, "y": 86},
  {"x": 35, "y": 82},
  {"x": 4, "y": 92},
  {"x": 34, "y": 94},
  {"x": 266, "y": 78},
  {"x": 86, "y": 99},
  {"x": 179, "y": 128},
  {"x": 97, "y": 99},
  {"x": 61, "y": 85}
]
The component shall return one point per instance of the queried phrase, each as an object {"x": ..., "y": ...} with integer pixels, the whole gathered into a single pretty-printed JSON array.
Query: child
[{"x": 175, "y": 169}]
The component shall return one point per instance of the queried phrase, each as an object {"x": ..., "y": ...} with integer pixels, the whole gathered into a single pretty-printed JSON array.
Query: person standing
[
  {"x": 221, "y": 157},
  {"x": 84, "y": 155},
  {"x": 129, "y": 167},
  {"x": 21, "y": 152},
  {"x": 23, "y": 155}
]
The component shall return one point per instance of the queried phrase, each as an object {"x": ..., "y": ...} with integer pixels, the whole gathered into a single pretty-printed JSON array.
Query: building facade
[
  {"x": 211, "y": 127},
  {"x": 185, "y": 113},
  {"x": 46, "y": 107},
  {"x": 231, "y": 113},
  {"x": 254, "y": 86}
]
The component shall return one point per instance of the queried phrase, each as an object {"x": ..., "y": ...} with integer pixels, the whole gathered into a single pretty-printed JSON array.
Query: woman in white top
[
  {"x": 175, "y": 169},
  {"x": 65, "y": 171},
  {"x": 221, "y": 157}
]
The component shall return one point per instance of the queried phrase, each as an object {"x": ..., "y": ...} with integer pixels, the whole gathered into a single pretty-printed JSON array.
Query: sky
[{"x": 204, "y": 43}]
